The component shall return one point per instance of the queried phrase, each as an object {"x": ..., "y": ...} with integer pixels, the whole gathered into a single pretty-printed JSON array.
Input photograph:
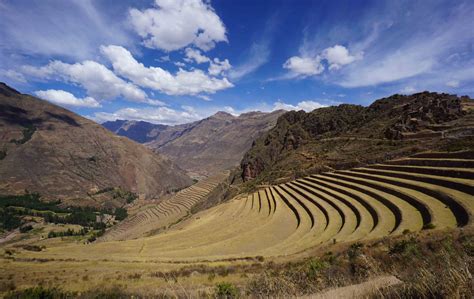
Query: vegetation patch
[
  {"x": 3, "y": 154},
  {"x": 14, "y": 207},
  {"x": 28, "y": 132},
  {"x": 226, "y": 290}
]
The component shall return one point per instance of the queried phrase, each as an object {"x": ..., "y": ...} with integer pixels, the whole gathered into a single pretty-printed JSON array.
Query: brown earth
[{"x": 59, "y": 154}]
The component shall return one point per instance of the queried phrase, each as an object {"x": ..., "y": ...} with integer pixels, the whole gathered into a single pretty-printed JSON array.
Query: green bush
[
  {"x": 315, "y": 266},
  {"x": 354, "y": 251},
  {"x": 120, "y": 213},
  {"x": 226, "y": 290},
  {"x": 68, "y": 233},
  {"x": 406, "y": 248},
  {"x": 9, "y": 220},
  {"x": 28, "y": 132}
]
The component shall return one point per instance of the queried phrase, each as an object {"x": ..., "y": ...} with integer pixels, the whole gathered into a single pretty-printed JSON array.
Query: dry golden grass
[{"x": 276, "y": 223}]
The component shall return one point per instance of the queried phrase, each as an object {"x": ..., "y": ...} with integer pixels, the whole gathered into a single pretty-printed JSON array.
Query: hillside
[
  {"x": 204, "y": 147},
  {"x": 345, "y": 136},
  {"x": 50, "y": 150}
]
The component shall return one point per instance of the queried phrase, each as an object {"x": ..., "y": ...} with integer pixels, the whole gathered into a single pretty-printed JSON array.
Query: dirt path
[
  {"x": 360, "y": 290},
  {"x": 9, "y": 236}
]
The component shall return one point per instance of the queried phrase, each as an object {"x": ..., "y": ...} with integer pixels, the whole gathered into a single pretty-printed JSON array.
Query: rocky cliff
[{"x": 349, "y": 135}]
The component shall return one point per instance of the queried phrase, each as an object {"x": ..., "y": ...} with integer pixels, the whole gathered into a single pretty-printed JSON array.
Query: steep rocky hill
[
  {"x": 50, "y": 150},
  {"x": 204, "y": 147},
  {"x": 346, "y": 136}
]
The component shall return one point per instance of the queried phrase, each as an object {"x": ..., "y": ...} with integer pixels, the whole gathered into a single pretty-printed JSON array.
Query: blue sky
[{"x": 176, "y": 61}]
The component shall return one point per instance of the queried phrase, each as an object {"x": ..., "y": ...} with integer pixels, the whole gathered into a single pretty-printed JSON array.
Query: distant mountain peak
[{"x": 223, "y": 115}]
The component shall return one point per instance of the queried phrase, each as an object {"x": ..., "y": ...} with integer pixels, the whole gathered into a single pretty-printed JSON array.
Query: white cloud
[
  {"x": 204, "y": 97},
  {"x": 164, "y": 58},
  {"x": 73, "y": 29},
  {"x": 303, "y": 105},
  {"x": 337, "y": 56},
  {"x": 304, "y": 66},
  {"x": 180, "y": 64},
  {"x": 192, "y": 54},
  {"x": 399, "y": 65},
  {"x": 13, "y": 75},
  {"x": 218, "y": 67},
  {"x": 429, "y": 47},
  {"x": 408, "y": 90},
  {"x": 258, "y": 55},
  {"x": 452, "y": 83},
  {"x": 99, "y": 82},
  {"x": 65, "y": 98},
  {"x": 175, "y": 24},
  {"x": 158, "y": 115},
  {"x": 183, "y": 83}
]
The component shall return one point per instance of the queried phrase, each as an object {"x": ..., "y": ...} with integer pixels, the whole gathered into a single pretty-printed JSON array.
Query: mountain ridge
[
  {"x": 53, "y": 151},
  {"x": 206, "y": 146},
  {"x": 345, "y": 136}
]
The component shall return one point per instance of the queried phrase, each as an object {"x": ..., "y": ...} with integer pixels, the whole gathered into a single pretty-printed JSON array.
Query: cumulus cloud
[
  {"x": 65, "y": 98},
  {"x": 337, "y": 56},
  {"x": 175, "y": 24},
  {"x": 186, "y": 114},
  {"x": 304, "y": 66},
  {"x": 196, "y": 55},
  {"x": 303, "y": 105},
  {"x": 217, "y": 67},
  {"x": 183, "y": 83},
  {"x": 158, "y": 115},
  {"x": 99, "y": 81}
]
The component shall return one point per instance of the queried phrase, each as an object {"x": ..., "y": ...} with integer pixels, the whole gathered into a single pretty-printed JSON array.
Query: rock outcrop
[{"x": 345, "y": 136}]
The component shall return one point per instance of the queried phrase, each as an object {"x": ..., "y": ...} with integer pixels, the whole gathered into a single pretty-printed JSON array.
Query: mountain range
[{"x": 203, "y": 147}]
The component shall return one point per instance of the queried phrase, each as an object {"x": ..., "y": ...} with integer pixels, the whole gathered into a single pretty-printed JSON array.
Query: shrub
[
  {"x": 32, "y": 247},
  {"x": 226, "y": 290},
  {"x": 406, "y": 248},
  {"x": 28, "y": 132},
  {"x": 354, "y": 251},
  {"x": 314, "y": 267},
  {"x": 120, "y": 213},
  {"x": 26, "y": 228}
]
